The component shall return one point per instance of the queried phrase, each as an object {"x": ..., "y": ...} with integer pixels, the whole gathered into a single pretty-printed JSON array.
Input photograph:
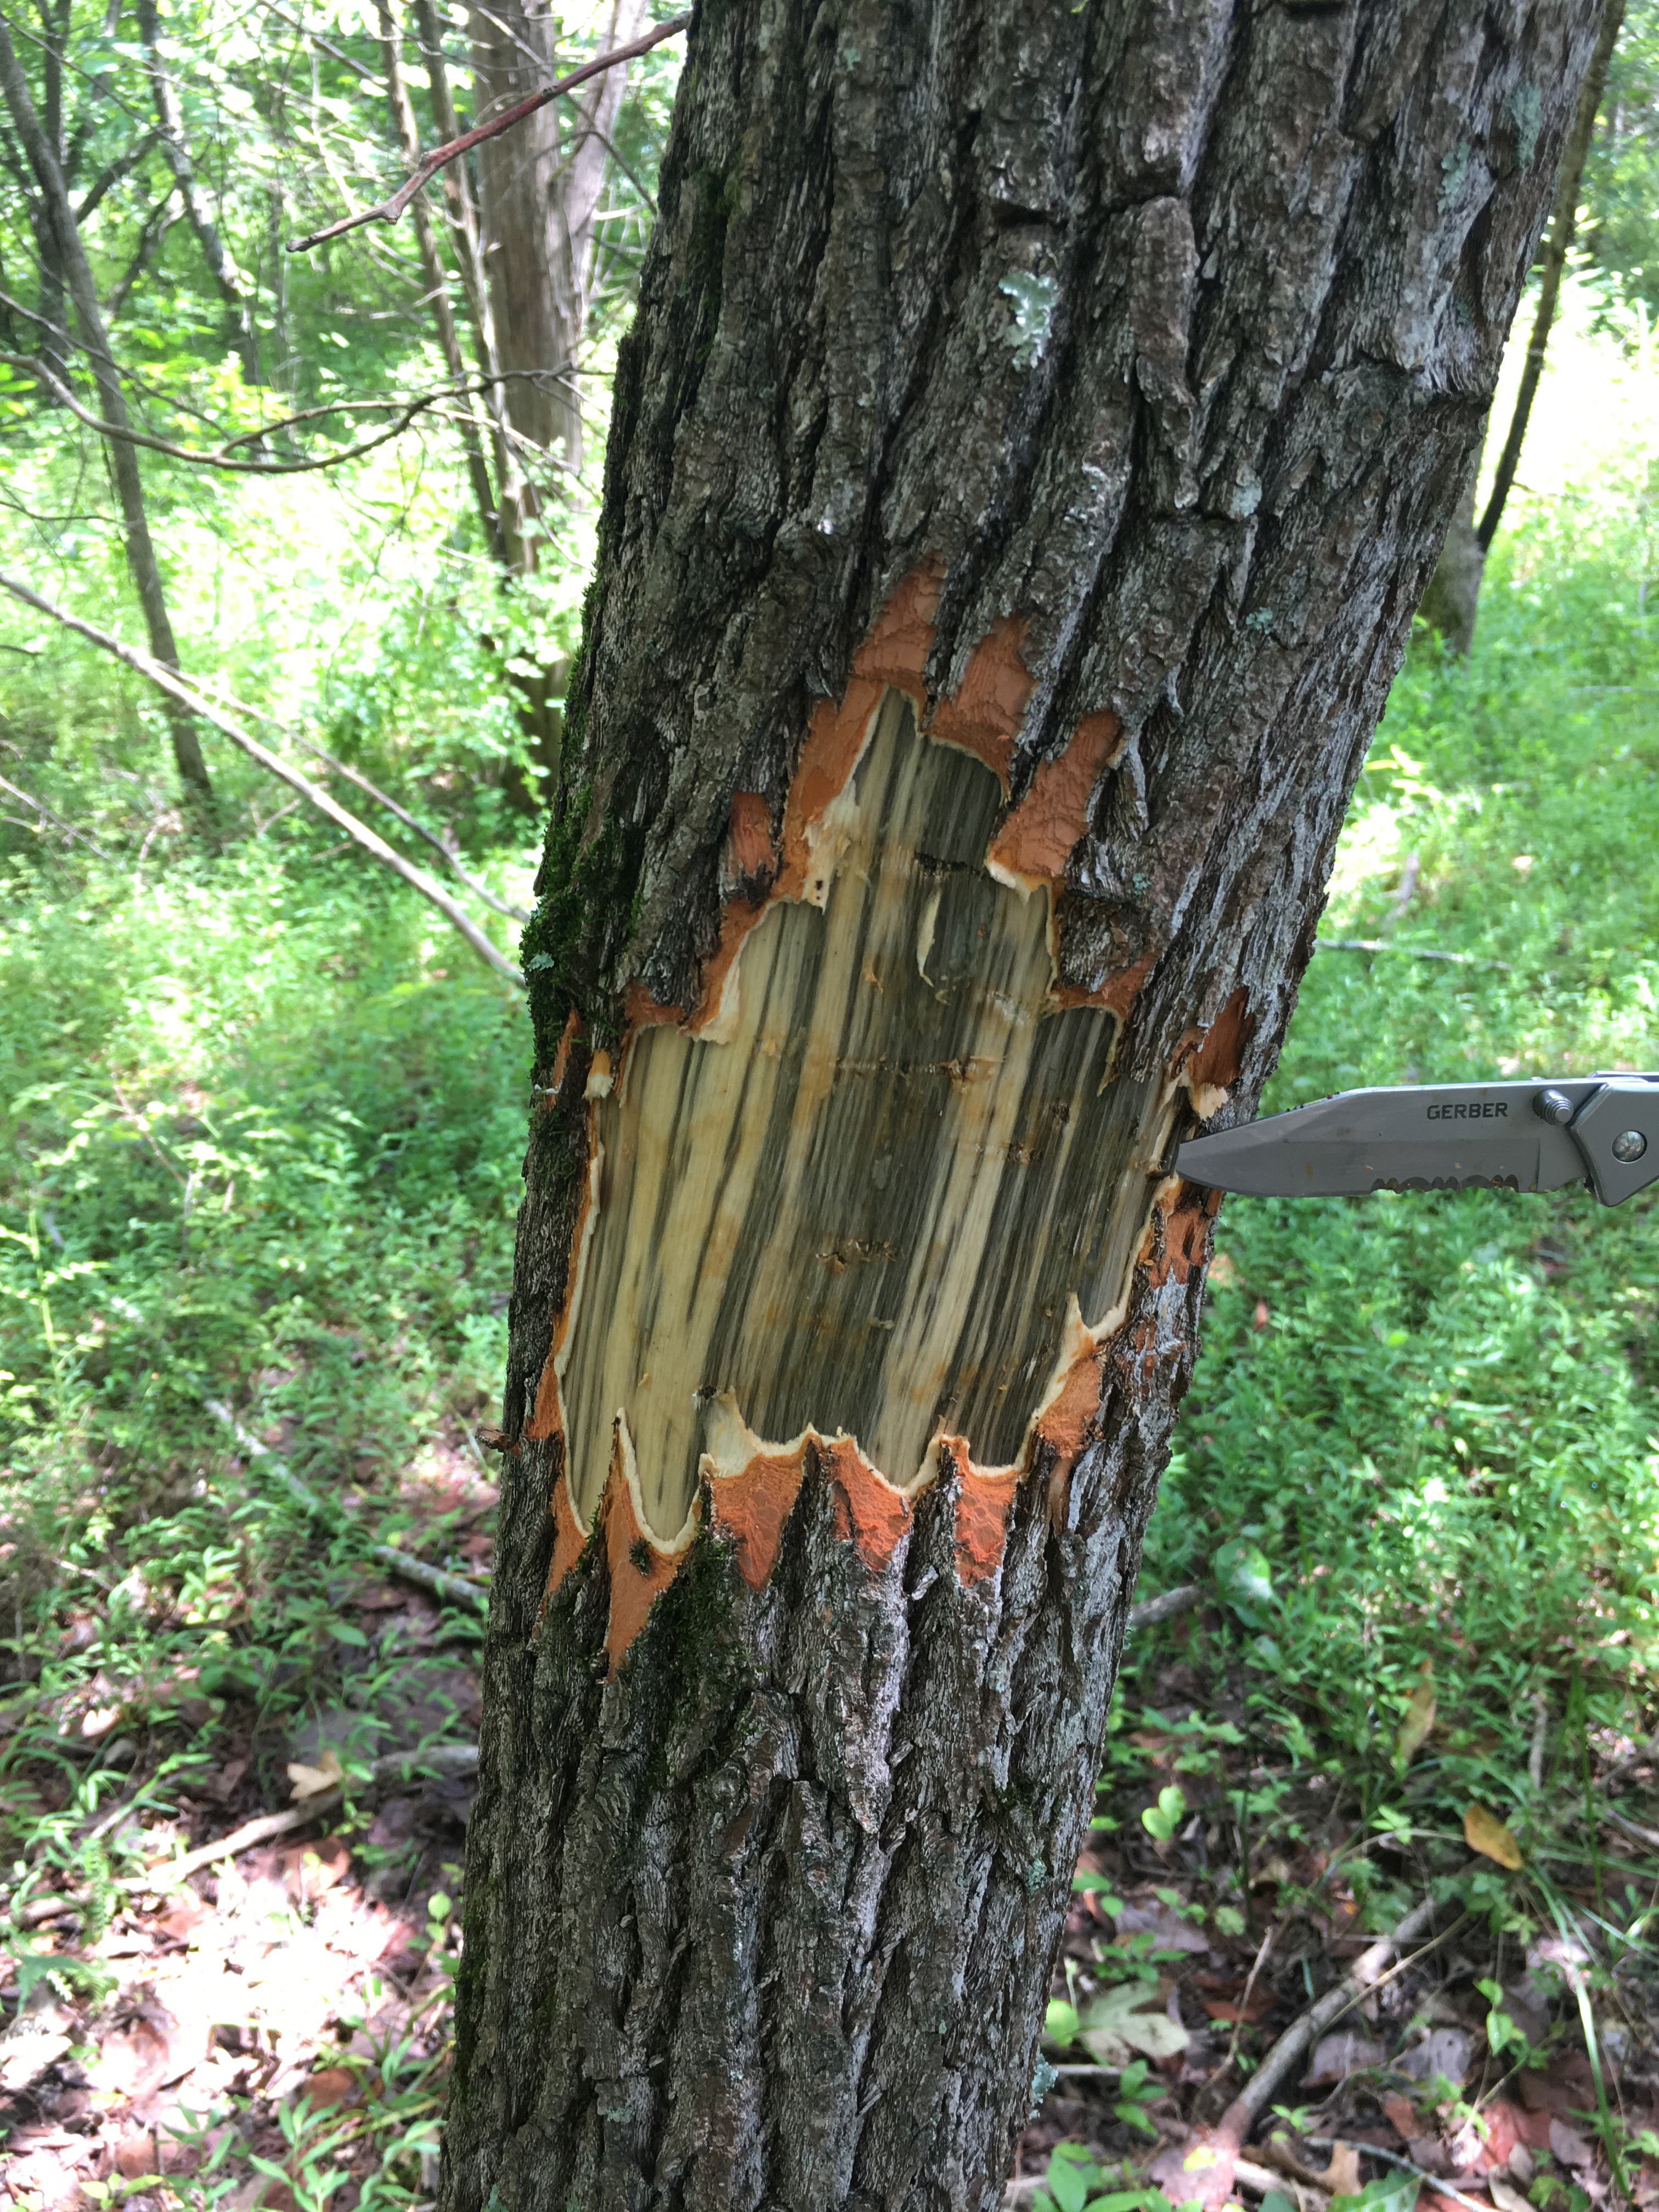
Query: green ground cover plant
[{"x": 261, "y": 1118}]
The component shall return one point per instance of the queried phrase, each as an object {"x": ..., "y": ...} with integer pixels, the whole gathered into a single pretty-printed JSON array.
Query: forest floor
[{"x": 259, "y": 1141}]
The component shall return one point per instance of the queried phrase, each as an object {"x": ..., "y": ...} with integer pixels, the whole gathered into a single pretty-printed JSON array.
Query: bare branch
[
  {"x": 113, "y": 175},
  {"x": 352, "y": 775},
  {"x": 187, "y": 694},
  {"x": 56, "y": 820},
  {"x": 408, "y": 411},
  {"x": 389, "y": 210}
]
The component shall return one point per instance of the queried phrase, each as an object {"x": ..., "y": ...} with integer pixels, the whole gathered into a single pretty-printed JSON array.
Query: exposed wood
[{"x": 1038, "y": 430}]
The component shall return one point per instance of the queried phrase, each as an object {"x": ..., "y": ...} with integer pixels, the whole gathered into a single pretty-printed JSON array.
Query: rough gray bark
[
  {"x": 539, "y": 186},
  {"x": 71, "y": 258},
  {"x": 221, "y": 266},
  {"x": 1103, "y": 375}
]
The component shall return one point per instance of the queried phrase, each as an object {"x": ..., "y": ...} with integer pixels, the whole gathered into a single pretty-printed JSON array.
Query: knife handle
[{"x": 1617, "y": 1133}]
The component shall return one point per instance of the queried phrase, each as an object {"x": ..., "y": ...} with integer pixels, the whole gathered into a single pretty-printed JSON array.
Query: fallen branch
[
  {"x": 174, "y": 686},
  {"x": 456, "y": 1590},
  {"x": 56, "y": 820},
  {"x": 1632, "y": 1828},
  {"x": 444, "y": 1762},
  {"x": 1412, "y": 951},
  {"x": 1205, "y": 2168},
  {"x": 263, "y": 1830},
  {"x": 440, "y": 156},
  {"x": 1393, "y": 2157},
  {"x": 353, "y": 776},
  {"x": 1150, "y": 1610}
]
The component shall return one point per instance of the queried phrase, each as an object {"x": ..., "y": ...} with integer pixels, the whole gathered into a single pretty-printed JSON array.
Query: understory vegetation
[
  {"x": 1417, "y": 1478},
  {"x": 262, "y": 1113},
  {"x": 263, "y": 1119}
]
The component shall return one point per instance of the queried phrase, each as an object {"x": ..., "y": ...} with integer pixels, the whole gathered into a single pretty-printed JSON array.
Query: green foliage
[
  {"x": 260, "y": 1144},
  {"x": 1423, "y": 1429},
  {"x": 1077, "y": 2182},
  {"x": 1620, "y": 195}
]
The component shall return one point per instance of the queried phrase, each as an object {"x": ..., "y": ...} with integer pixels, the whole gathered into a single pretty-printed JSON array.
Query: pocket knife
[{"x": 1542, "y": 1135}]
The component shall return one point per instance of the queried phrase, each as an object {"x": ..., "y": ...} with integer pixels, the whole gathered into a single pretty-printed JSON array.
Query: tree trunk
[
  {"x": 220, "y": 267},
  {"x": 540, "y": 186},
  {"x": 434, "y": 274},
  {"x": 1562, "y": 223},
  {"x": 1037, "y": 429},
  {"x": 1453, "y": 598},
  {"x": 469, "y": 256},
  {"x": 123, "y": 457}
]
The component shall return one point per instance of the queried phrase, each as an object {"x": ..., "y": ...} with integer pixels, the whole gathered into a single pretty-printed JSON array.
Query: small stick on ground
[{"x": 1205, "y": 2168}]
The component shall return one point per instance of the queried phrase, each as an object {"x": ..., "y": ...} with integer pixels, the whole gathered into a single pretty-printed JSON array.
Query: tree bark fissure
[{"x": 1100, "y": 383}]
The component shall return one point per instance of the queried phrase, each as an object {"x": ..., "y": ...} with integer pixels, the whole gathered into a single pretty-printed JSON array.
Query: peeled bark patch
[{"x": 871, "y": 1200}]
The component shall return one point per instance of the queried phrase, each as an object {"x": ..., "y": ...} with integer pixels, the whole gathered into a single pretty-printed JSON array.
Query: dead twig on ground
[
  {"x": 1412, "y": 951},
  {"x": 1150, "y": 1610},
  {"x": 455, "y": 1589},
  {"x": 1206, "y": 2167}
]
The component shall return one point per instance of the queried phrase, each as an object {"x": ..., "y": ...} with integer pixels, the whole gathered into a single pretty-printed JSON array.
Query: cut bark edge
[{"x": 744, "y": 1506}]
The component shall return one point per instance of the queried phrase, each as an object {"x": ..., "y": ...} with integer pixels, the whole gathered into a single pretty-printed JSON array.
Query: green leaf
[
  {"x": 33, "y": 1968},
  {"x": 1163, "y": 1819},
  {"x": 1393, "y": 2192},
  {"x": 1114, "y": 2026},
  {"x": 1246, "y": 1580}
]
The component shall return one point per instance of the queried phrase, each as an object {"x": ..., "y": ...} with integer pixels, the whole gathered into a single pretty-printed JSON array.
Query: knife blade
[{"x": 1449, "y": 1136}]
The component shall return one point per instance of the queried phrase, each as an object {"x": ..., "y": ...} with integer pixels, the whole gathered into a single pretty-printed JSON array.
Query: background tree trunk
[
  {"x": 1453, "y": 598},
  {"x": 1450, "y": 602},
  {"x": 435, "y": 275},
  {"x": 540, "y": 186},
  {"x": 1562, "y": 223},
  {"x": 71, "y": 258},
  {"x": 221, "y": 268},
  {"x": 1038, "y": 431},
  {"x": 468, "y": 255}
]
